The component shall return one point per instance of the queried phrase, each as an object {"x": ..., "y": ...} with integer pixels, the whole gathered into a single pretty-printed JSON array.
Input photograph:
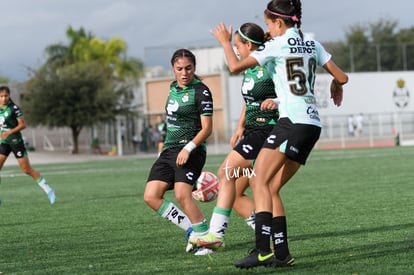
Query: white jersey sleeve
[{"x": 292, "y": 63}]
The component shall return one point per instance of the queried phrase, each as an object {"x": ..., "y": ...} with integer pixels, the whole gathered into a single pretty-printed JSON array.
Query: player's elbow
[
  {"x": 343, "y": 79},
  {"x": 208, "y": 131},
  {"x": 234, "y": 69}
]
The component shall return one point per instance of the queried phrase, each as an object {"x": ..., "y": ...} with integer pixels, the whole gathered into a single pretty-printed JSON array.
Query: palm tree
[{"x": 122, "y": 73}]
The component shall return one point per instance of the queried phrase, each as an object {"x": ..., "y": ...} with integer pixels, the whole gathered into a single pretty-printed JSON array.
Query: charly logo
[
  {"x": 401, "y": 95},
  {"x": 190, "y": 175}
]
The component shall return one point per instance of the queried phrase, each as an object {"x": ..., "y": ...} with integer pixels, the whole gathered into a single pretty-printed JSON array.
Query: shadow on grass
[
  {"x": 352, "y": 254},
  {"x": 359, "y": 254},
  {"x": 388, "y": 228},
  {"x": 397, "y": 250}
]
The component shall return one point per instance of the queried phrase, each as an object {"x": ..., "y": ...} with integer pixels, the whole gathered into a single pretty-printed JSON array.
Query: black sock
[
  {"x": 279, "y": 234},
  {"x": 263, "y": 229}
]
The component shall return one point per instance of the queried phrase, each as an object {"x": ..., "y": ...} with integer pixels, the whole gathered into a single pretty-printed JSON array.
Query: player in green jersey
[
  {"x": 11, "y": 140},
  {"x": 189, "y": 110},
  {"x": 161, "y": 129}
]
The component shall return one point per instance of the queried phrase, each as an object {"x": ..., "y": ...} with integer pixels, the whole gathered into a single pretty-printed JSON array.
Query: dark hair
[
  {"x": 5, "y": 88},
  {"x": 251, "y": 32},
  {"x": 290, "y": 11},
  {"x": 183, "y": 53}
]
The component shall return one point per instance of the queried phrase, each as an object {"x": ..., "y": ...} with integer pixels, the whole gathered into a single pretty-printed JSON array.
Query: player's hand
[
  {"x": 268, "y": 104},
  {"x": 222, "y": 34},
  {"x": 4, "y": 135},
  {"x": 182, "y": 157},
  {"x": 236, "y": 137},
  {"x": 336, "y": 93}
]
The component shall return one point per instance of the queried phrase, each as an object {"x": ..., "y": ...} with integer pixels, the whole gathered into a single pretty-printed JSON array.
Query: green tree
[
  {"x": 341, "y": 55},
  {"x": 361, "y": 49},
  {"x": 375, "y": 46},
  {"x": 75, "y": 96},
  {"x": 405, "y": 38},
  {"x": 85, "y": 82},
  {"x": 383, "y": 36},
  {"x": 4, "y": 80}
]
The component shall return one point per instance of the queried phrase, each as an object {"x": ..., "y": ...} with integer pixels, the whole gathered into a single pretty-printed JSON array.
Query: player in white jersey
[{"x": 293, "y": 60}]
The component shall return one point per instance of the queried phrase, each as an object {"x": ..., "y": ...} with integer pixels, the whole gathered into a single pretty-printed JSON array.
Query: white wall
[{"x": 367, "y": 93}]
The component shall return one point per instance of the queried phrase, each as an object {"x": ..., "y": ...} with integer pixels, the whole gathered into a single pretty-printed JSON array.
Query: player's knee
[
  {"x": 150, "y": 199},
  {"x": 222, "y": 175},
  {"x": 27, "y": 171},
  {"x": 153, "y": 201},
  {"x": 181, "y": 198}
]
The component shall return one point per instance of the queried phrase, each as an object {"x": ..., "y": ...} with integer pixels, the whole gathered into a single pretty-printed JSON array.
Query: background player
[
  {"x": 12, "y": 123},
  {"x": 161, "y": 128}
]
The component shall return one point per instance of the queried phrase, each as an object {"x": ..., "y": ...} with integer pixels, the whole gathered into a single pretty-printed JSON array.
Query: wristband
[{"x": 190, "y": 146}]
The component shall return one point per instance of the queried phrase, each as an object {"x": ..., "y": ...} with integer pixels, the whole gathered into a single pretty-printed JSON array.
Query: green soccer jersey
[
  {"x": 258, "y": 86},
  {"x": 184, "y": 107},
  {"x": 8, "y": 120}
]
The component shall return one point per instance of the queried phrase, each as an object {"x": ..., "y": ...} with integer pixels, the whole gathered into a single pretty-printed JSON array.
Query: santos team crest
[{"x": 401, "y": 94}]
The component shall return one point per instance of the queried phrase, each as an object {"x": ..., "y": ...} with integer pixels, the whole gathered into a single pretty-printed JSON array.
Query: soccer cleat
[
  {"x": 289, "y": 261},
  {"x": 202, "y": 251},
  {"x": 189, "y": 231},
  {"x": 51, "y": 196},
  {"x": 192, "y": 239},
  {"x": 256, "y": 259},
  {"x": 190, "y": 247},
  {"x": 210, "y": 241}
]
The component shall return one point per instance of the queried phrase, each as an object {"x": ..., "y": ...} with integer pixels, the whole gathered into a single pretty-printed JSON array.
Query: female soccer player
[
  {"x": 189, "y": 110},
  {"x": 161, "y": 129},
  {"x": 12, "y": 123},
  {"x": 253, "y": 128},
  {"x": 293, "y": 59}
]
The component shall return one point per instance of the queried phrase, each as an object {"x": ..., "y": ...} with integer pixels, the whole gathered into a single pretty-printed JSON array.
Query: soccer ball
[{"x": 206, "y": 187}]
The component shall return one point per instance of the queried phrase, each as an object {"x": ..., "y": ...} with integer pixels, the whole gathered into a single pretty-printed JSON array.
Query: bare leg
[{"x": 243, "y": 204}]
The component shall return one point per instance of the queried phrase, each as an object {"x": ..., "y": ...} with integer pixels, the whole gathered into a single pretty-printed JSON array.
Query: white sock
[
  {"x": 251, "y": 220},
  {"x": 174, "y": 214},
  {"x": 218, "y": 224},
  {"x": 43, "y": 184}
]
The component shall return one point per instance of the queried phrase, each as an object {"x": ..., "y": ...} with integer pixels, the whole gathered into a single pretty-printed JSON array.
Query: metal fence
[
  {"x": 379, "y": 129},
  {"x": 373, "y": 57}
]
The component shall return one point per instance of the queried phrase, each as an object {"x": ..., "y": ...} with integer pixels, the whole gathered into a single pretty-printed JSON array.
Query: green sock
[{"x": 200, "y": 228}]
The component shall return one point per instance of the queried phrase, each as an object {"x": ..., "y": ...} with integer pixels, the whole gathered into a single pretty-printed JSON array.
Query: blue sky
[{"x": 29, "y": 26}]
